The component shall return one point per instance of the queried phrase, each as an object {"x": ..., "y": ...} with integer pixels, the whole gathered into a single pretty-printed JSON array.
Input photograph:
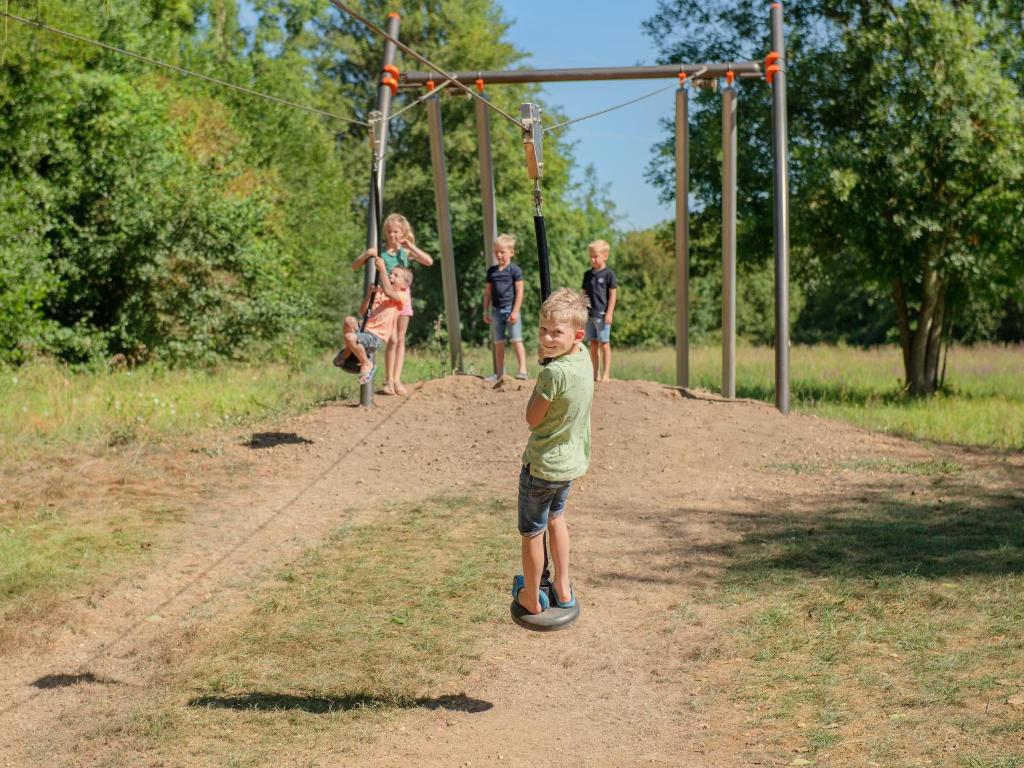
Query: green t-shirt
[
  {"x": 399, "y": 258},
  {"x": 559, "y": 447}
]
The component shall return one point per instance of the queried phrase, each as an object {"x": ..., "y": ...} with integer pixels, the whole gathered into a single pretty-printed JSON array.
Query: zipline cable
[
  {"x": 609, "y": 109},
  {"x": 422, "y": 59},
  {"x": 179, "y": 70},
  {"x": 421, "y": 99}
]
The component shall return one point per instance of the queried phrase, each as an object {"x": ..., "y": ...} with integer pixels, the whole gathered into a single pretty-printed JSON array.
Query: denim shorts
[
  {"x": 501, "y": 327},
  {"x": 539, "y": 500},
  {"x": 369, "y": 341},
  {"x": 598, "y": 330}
]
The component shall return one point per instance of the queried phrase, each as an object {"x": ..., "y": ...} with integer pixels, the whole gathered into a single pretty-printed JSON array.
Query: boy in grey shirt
[{"x": 558, "y": 450}]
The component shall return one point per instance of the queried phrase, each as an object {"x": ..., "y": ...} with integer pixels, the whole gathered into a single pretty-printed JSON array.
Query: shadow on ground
[
  {"x": 276, "y": 702},
  {"x": 274, "y": 439},
  {"x": 958, "y": 528},
  {"x": 63, "y": 681},
  {"x": 967, "y": 532}
]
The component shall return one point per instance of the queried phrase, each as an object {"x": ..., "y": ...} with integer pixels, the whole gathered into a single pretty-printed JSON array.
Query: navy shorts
[{"x": 539, "y": 501}]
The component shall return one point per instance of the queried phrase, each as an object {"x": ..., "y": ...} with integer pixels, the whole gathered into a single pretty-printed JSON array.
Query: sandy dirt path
[{"x": 674, "y": 475}]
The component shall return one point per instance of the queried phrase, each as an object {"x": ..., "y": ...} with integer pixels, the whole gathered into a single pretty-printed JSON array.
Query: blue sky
[
  {"x": 594, "y": 34},
  {"x": 598, "y": 33}
]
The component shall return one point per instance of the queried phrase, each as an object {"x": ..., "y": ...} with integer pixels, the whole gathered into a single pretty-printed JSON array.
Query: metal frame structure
[{"x": 701, "y": 75}]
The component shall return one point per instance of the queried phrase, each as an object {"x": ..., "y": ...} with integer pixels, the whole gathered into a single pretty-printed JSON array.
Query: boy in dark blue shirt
[
  {"x": 602, "y": 289},
  {"x": 503, "y": 297}
]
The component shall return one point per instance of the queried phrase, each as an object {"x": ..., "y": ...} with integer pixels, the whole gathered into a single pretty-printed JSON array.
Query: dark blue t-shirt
[
  {"x": 503, "y": 284},
  {"x": 596, "y": 286}
]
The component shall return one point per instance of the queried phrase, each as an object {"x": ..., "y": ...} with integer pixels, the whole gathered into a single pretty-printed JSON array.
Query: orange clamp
[
  {"x": 430, "y": 85},
  {"x": 682, "y": 79},
  {"x": 394, "y": 15},
  {"x": 770, "y": 67},
  {"x": 480, "y": 85},
  {"x": 391, "y": 83},
  {"x": 392, "y": 70},
  {"x": 730, "y": 76}
]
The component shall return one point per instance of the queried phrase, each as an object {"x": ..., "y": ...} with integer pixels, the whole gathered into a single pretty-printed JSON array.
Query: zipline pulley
[
  {"x": 533, "y": 140},
  {"x": 377, "y": 126}
]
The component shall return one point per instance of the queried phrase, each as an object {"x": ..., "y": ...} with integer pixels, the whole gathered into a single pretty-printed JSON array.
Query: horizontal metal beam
[{"x": 740, "y": 68}]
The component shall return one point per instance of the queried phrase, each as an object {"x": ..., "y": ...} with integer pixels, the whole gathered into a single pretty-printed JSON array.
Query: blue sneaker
[{"x": 518, "y": 582}]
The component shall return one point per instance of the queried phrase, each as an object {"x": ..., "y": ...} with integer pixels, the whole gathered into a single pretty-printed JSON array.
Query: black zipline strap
[{"x": 542, "y": 257}]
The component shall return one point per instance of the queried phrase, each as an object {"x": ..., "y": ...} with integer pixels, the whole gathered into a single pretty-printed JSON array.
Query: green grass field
[
  {"x": 982, "y": 405},
  {"x": 48, "y": 406}
]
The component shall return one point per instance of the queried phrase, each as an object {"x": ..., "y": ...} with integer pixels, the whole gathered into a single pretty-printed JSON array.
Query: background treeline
[{"x": 163, "y": 217}]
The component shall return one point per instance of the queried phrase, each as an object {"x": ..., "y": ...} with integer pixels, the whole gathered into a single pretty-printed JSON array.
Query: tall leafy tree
[{"x": 906, "y": 137}]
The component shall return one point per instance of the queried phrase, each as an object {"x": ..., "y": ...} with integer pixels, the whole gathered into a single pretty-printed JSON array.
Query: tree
[{"x": 906, "y": 136}]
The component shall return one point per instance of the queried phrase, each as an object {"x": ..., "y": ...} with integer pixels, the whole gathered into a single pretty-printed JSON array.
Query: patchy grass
[
  {"x": 882, "y": 464},
  {"x": 384, "y": 616},
  {"x": 983, "y": 403},
  {"x": 889, "y": 630},
  {"x": 50, "y": 407},
  {"x": 70, "y": 521}
]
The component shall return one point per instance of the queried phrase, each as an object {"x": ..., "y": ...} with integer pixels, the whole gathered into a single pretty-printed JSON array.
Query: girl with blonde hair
[{"x": 400, "y": 250}]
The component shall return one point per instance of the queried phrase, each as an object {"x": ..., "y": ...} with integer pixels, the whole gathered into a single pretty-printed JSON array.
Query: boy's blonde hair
[
  {"x": 400, "y": 220},
  {"x": 405, "y": 273},
  {"x": 566, "y": 306},
  {"x": 504, "y": 241},
  {"x": 600, "y": 246}
]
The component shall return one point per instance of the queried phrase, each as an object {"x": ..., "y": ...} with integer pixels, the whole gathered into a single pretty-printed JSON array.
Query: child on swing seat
[
  {"x": 558, "y": 449},
  {"x": 400, "y": 250},
  {"x": 389, "y": 298}
]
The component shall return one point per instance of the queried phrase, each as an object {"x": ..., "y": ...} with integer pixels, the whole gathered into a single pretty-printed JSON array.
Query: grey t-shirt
[{"x": 559, "y": 447}]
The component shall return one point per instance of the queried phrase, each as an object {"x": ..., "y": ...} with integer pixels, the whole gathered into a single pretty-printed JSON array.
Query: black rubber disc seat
[
  {"x": 348, "y": 363},
  {"x": 551, "y": 620}
]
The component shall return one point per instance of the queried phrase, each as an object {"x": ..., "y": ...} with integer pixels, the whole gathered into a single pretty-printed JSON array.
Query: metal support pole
[
  {"x": 682, "y": 238},
  {"x": 444, "y": 233},
  {"x": 376, "y": 195},
  {"x": 780, "y": 142},
  {"x": 729, "y": 242},
  {"x": 483, "y": 144}
]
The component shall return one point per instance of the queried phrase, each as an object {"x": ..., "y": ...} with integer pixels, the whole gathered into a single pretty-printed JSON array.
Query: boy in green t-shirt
[{"x": 558, "y": 450}]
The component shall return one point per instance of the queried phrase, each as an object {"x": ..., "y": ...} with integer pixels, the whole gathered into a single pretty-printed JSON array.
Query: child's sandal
[
  {"x": 570, "y": 603},
  {"x": 518, "y": 582}
]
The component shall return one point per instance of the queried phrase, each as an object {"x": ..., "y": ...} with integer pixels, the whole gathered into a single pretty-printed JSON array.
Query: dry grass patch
[
  {"x": 885, "y": 632},
  {"x": 73, "y": 522},
  {"x": 383, "y": 617}
]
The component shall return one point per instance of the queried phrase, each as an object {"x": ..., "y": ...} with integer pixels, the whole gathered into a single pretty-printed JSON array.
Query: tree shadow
[
  {"x": 259, "y": 701},
  {"x": 274, "y": 439},
  {"x": 47, "y": 682},
  {"x": 892, "y": 538},
  {"x": 939, "y": 529},
  {"x": 955, "y": 530}
]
